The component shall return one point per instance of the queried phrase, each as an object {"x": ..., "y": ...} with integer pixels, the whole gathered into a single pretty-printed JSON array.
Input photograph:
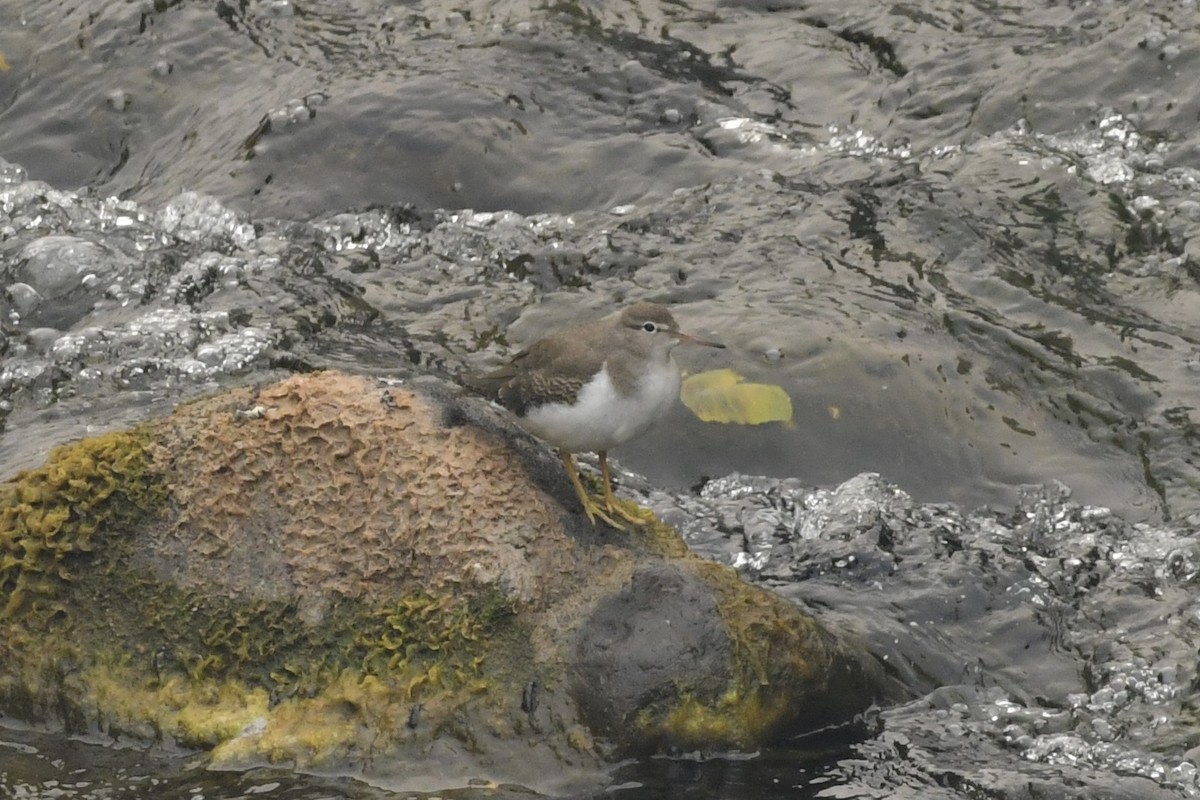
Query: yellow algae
[
  {"x": 691, "y": 723},
  {"x": 723, "y": 396},
  {"x": 245, "y": 677},
  {"x": 772, "y": 651},
  {"x": 194, "y": 714},
  {"x": 735, "y": 720},
  {"x": 772, "y": 642},
  {"x": 266, "y": 612},
  {"x": 50, "y": 515},
  {"x": 580, "y": 739},
  {"x": 307, "y": 733},
  {"x": 656, "y": 537},
  {"x": 233, "y": 709},
  {"x": 348, "y": 716},
  {"x": 351, "y": 712}
]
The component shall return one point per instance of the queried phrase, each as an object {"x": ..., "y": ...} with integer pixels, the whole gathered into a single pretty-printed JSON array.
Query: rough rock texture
[
  {"x": 351, "y": 491},
  {"x": 335, "y": 573}
]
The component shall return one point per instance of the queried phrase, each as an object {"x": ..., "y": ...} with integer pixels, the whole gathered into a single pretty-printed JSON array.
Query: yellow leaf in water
[
  {"x": 721, "y": 396},
  {"x": 4, "y": 67}
]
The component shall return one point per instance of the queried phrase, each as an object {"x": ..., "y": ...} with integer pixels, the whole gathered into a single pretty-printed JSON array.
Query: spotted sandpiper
[{"x": 594, "y": 385}]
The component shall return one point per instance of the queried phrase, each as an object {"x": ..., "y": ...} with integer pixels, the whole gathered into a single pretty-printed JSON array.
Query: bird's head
[{"x": 656, "y": 328}]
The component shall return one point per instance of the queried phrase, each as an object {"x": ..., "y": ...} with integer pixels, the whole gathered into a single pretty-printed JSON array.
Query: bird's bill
[{"x": 687, "y": 338}]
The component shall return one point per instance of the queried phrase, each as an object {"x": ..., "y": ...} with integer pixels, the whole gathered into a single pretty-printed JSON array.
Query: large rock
[{"x": 336, "y": 574}]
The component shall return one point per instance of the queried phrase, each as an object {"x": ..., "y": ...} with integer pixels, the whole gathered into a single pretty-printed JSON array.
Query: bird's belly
[{"x": 601, "y": 418}]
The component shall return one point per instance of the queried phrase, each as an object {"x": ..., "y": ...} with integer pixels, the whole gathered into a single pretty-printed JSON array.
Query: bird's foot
[
  {"x": 613, "y": 506},
  {"x": 604, "y": 505},
  {"x": 618, "y": 508},
  {"x": 595, "y": 509}
]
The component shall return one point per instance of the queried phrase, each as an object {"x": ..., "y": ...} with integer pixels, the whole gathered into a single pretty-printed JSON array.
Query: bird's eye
[{"x": 649, "y": 327}]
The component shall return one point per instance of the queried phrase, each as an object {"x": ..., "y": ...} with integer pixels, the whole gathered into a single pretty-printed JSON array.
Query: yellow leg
[
  {"x": 610, "y": 502},
  {"x": 590, "y": 507}
]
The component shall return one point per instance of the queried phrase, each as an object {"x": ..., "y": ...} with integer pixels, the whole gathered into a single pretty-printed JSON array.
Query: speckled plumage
[
  {"x": 595, "y": 385},
  {"x": 556, "y": 368}
]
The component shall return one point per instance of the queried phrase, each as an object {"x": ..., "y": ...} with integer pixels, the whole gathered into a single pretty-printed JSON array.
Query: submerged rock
[{"x": 329, "y": 572}]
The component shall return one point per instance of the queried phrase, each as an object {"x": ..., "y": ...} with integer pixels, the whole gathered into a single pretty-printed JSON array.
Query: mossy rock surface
[{"x": 340, "y": 575}]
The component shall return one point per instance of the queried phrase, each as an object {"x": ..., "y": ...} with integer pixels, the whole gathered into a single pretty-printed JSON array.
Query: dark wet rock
[
  {"x": 638, "y": 646},
  {"x": 385, "y": 578},
  {"x": 55, "y": 278},
  {"x": 23, "y": 297}
]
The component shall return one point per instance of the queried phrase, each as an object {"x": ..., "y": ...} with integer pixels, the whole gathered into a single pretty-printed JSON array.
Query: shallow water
[{"x": 959, "y": 235}]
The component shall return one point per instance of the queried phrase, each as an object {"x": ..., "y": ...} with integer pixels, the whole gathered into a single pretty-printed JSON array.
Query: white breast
[{"x": 602, "y": 418}]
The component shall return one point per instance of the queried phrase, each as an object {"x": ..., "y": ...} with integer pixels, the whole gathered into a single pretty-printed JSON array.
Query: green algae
[
  {"x": 427, "y": 625},
  {"x": 732, "y": 721},
  {"x": 90, "y": 635},
  {"x": 132, "y": 621},
  {"x": 435, "y": 640},
  {"x": 778, "y": 654},
  {"x": 151, "y": 660},
  {"x": 51, "y": 515},
  {"x": 658, "y": 539}
]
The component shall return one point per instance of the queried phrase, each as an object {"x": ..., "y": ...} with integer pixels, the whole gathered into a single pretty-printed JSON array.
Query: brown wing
[{"x": 552, "y": 370}]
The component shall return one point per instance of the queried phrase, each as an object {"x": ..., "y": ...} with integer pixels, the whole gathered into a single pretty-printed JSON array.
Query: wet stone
[
  {"x": 23, "y": 297},
  {"x": 639, "y": 645},
  {"x": 56, "y": 265},
  {"x": 42, "y": 339}
]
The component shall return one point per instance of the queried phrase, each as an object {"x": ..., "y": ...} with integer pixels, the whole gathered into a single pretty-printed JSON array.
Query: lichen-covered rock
[{"x": 332, "y": 573}]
